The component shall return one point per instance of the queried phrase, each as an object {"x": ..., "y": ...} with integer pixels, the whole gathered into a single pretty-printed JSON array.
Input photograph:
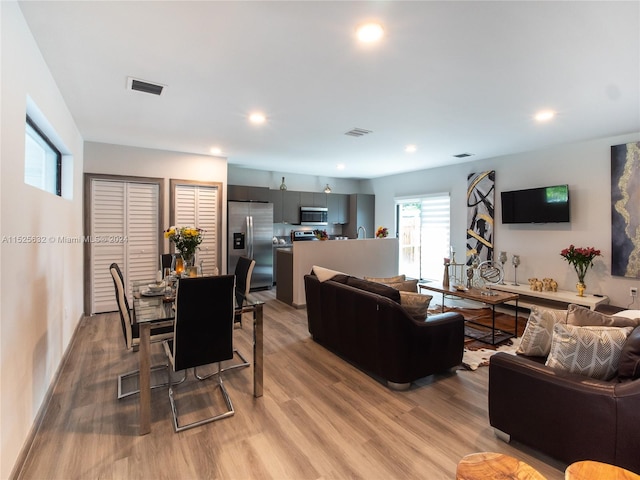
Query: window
[
  {"x": 43, "y": 161},
  {"x": 423, "y": 228}
]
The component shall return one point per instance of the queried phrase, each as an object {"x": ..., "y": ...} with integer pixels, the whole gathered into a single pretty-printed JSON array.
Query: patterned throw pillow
[
  {"x": 396, "y": 279},
  {"x": 591, "y": 351},
  {"x": 416, "y": 304},
  {"x": 536, "y": 339},
  {"x": 581, "y": 317}
]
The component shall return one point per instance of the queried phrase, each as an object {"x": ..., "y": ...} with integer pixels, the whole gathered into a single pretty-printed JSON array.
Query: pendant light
[
  {"x": 282, "y": 185},
  {"x": 327, "y": 189}
]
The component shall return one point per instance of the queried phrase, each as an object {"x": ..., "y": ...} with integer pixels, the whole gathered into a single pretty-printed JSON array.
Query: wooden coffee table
[
  {"x": 489, "y": 465},
  {"x": 492, "y": 298},
  {"x": 589, "y": 470}
]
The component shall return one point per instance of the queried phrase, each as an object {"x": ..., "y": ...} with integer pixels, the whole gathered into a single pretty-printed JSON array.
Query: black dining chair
[
  {"x": 203, "y": 335},
  {"x": 165, "y": 261},
  {"x": 243, "y": 272},
  {"x": 130, "y": 331}
]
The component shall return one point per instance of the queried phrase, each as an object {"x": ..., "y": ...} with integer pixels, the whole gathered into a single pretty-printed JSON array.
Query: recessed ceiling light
[
  {"x": 340, "y": 166},
  {"x": 410, "y": 148},
  {"x": 257, "y": 118},
  {"x": 216, "y": 150},
  {"x": 545, "y": 115},
  {"x": 370, "y": 32}
]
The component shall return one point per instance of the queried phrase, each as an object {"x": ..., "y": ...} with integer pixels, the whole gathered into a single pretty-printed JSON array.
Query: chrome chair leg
[
  {"x": 225, "y": 395},
  {"x": 122, "y": 377}
]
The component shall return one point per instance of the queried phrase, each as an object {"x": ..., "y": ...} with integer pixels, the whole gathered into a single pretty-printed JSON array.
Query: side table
[
  {"x": 590, "y": 470},
  {"x": 490, "y": 465}
]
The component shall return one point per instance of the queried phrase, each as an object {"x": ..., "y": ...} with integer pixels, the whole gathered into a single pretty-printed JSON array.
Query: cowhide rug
[{"x": 472, "y": 359}]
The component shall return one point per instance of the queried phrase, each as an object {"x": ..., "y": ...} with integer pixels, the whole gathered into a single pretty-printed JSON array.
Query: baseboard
[{"x": 37, "y": 422}]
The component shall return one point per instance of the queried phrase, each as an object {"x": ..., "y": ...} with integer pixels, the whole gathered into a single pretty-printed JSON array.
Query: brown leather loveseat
[
  {"x": 568, "y": 416},
  {"x": 364, "y": 323}
]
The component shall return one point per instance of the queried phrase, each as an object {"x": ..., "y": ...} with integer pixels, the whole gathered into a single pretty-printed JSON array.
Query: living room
[{"x": 42, "y": 285}]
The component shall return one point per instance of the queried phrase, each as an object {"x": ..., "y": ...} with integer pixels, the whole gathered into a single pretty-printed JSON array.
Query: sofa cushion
[
  {"x": 581, "y": 316},
  {"x": 416, "y": 304},
  {"x": 591, "y": 351},
  {"x": 536, "y": 339},
  {"x": 629, "y": 364},
  {"x": 373, "y": 287}
]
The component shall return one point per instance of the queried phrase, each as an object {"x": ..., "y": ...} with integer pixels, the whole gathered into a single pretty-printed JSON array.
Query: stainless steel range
[{"x": 303, "y": 235}]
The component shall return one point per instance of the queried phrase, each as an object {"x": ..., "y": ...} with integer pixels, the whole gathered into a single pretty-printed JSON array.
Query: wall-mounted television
[{"x": 536, "y": 205}]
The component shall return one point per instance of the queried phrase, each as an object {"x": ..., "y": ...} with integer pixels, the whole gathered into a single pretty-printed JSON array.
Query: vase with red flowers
[{"x": 582, "y": 260}]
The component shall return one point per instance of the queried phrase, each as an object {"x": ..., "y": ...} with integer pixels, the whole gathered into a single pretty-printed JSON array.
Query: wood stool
[
  {"x": 588, "y": 470},
  {"x": 489, "y": 465}
]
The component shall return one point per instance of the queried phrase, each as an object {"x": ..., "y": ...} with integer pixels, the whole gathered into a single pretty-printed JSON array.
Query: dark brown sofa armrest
[
  {"x": 443, "y": 318},
  {"x": 570, "y": 417}
]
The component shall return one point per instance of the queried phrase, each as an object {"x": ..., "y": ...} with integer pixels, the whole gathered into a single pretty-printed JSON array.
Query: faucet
[{"x": 364, "y": 232}]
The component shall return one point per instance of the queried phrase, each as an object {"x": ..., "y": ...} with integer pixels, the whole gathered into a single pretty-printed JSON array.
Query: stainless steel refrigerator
[{"x": 250, "y": 234}]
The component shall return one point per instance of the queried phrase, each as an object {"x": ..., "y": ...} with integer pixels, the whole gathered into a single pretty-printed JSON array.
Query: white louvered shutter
[
  {"x": 107, "y": 220},
  {"x": 124, "y": 217},
  {"x": 197, "y": 206}
]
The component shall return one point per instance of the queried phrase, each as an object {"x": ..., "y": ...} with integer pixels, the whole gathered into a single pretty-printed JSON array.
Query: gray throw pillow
[{"x": 415, "y": 304}]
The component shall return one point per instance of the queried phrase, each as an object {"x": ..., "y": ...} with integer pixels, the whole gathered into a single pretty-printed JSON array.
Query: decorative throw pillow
[
  {"x": 629, "y": 364},
  {"x": 373, "y": 287},
  {"x": 416, "y": 304},
  {"x": 628, "y": 314},
  {"x": 582, "y": 317},
  {"x": 536, "y": 339},
  {"x": 396, "y": 279},
  {"x": 406, "y": 286},
  {"x": 325, "y": 274},
  {"x": 591, "y": 351}
]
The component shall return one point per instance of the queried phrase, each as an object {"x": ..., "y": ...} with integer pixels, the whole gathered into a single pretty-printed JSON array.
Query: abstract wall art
[
  {"x": 480, "y": 215},
  {"x": 625, "y": 210}
]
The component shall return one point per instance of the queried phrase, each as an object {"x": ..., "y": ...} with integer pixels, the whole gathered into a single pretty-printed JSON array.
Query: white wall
[
  {"x": 40, "y": 283},
  {"x": 585, "y": 166},
  {"x": 112, "y": 159}
]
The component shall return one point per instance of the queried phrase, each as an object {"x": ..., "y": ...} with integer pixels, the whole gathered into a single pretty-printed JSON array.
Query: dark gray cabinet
[
  {"x": 313, "y": 199},
  {"x": 291, "y": 207},
  {"x": 361, "y": 214},
  {"x": 338, "y": 208},
  {"x": 277, "y": 200},
  {"x": 244, "y": 193}
]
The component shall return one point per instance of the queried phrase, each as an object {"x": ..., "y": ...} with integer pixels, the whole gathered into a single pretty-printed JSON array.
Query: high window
[
  {"x": 43, "y": 161},
  {"x": 423, "y": 226}
]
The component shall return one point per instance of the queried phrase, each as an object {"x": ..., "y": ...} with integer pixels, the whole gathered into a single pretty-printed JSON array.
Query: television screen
[{"x": 536, "y": 205}]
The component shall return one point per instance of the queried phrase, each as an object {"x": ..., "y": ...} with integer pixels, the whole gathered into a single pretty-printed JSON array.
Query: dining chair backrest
[
  {"x": 165, "y": 261},
  {"x": 203, "y": 331},
  {"x": 243, "y": 272},
  {"x": 123, "y": 304}
]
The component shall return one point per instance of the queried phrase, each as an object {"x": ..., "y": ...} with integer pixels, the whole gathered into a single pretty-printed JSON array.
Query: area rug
[{"x": 472, "y": 359}]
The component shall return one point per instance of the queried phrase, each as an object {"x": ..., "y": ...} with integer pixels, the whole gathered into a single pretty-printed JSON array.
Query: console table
[{"x": 560, "y": 299}]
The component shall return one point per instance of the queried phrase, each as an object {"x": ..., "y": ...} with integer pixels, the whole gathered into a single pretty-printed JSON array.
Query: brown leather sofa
[
  {"x": 570, "y": 417},
  {"x": 364, "y": 323}
]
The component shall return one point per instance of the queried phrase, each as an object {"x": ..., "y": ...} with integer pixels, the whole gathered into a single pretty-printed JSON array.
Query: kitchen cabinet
[
  {"x": 244, "y": 193},
  {"x": 338, "y": 208},
  {"x": 291, "y": 207},
  {"x": 276, "y": 197},
  {"x": 361, "y": 214},
  {"x": 313, "y": 199}
]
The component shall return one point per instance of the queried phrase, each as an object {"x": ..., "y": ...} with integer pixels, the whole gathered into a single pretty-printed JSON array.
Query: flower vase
[
  {"x": 581, "y": 288},
  {"x": 445, "y": 277},
  {"x": 189, "y": 260}
]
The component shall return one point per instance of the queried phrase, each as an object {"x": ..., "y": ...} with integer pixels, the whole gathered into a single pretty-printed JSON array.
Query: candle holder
[
  {"x": 515, "y": 261},
  {"x": 503, "y": 260}
]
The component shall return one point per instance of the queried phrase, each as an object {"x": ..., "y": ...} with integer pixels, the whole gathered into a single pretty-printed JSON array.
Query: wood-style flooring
[{"x": 319, "y": 418}]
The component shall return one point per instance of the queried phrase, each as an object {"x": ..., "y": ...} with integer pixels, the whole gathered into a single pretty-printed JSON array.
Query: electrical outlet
[{"x": 633, "y": 291}]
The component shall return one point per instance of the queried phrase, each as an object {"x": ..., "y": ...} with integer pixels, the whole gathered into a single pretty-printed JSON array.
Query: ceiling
[{"x": 449, "y": 77}]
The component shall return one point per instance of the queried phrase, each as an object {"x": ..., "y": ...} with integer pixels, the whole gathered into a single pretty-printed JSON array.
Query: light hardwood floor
[{"x": 319, "y": 418}]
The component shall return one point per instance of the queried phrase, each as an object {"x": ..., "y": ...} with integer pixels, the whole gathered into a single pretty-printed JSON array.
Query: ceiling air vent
[
  {"x": 143, "y": 86},
  {"x": 357, "y": 132},
  {"x": 463, "y": 155}
]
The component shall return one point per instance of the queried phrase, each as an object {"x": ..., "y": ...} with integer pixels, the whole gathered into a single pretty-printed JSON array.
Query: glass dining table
[{"x": 158, "y": 310}]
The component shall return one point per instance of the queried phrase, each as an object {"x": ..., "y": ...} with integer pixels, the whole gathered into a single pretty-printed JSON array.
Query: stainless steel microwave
[{"x": 313, "y": 215}]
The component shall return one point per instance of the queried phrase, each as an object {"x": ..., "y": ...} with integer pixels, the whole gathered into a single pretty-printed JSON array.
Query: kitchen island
[{"x": 365, "y": 257}]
